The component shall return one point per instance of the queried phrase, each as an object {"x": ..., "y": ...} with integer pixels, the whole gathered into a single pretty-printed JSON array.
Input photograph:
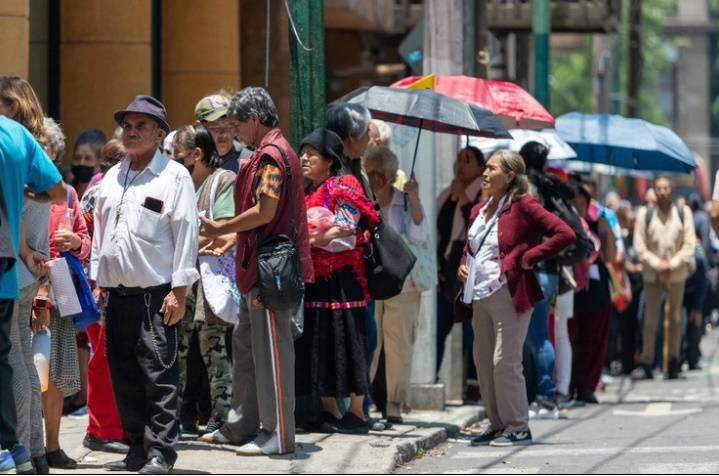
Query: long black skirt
[{"x": 330, "y": 357}]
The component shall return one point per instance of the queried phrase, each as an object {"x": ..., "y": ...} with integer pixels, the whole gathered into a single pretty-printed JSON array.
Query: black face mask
[{"x": 83, "y": 173}]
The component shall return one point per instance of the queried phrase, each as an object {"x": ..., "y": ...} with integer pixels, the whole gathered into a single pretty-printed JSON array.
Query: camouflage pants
[{"x": 214, "y": 353}]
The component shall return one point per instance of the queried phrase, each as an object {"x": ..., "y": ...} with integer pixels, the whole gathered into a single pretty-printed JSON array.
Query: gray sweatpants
[
  {"x": 263, "y": 376},
  {"x": 26, "y": 383}
]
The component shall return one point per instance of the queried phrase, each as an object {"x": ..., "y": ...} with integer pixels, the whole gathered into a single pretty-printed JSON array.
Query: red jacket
[
  {"x": 521, "y": 228},
  {"x": 293, "y": 196}
]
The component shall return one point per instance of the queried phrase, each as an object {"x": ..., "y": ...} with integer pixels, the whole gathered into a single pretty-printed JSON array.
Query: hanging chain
[{"x": 153, "y": 336}]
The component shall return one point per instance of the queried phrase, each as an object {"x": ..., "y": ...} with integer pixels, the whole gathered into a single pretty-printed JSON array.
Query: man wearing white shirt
[{"x": 143, "y": 258}]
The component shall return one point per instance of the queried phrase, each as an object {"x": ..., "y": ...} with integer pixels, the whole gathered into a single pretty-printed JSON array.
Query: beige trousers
[
  {"x": 499, "y": 334},
  {"x": 653, "y": 298},
  {"x": 396, "y": 332}
]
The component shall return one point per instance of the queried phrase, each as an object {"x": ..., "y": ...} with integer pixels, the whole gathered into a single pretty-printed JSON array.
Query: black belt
[{"x": 125, "y": 291}]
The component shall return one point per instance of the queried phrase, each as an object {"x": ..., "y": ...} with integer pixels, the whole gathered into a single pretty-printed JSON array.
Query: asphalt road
[{"x": 638, "y": 428}]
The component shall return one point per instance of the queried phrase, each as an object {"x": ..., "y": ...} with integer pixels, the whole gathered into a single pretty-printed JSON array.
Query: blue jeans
[{"x": 538, "y": 337}]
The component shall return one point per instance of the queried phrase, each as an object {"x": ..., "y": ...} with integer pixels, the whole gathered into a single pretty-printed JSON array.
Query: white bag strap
[{"x": 213, "y": 192}]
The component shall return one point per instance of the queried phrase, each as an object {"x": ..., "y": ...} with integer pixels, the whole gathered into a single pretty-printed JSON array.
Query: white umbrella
[{"x": 558, "y": 148}]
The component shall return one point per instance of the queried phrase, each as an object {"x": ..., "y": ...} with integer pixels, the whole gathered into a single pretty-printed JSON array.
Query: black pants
[
  {"x": 8, "y": 412},
  {"x": 139, "y": 347}
]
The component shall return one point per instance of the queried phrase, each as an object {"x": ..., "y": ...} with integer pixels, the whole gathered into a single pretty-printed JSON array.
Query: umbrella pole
[{"x": 414, "y": 159}]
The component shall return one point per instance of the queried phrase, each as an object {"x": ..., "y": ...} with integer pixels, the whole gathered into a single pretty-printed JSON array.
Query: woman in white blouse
[{"x": 397, "y": 317}]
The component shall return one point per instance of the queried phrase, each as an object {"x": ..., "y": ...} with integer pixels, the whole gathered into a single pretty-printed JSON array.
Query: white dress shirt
[{"x": 134, "y": 246}]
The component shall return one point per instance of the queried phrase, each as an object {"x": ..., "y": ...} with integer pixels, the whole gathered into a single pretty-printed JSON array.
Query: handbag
[
  {"x": 278, "y": 264},
  {"x": 217, "y": 274},
  {"x": 388, "y": 262},
  {"x": 90, "y": 313}
]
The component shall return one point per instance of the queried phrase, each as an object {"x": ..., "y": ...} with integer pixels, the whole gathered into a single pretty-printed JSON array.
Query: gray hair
[
  {"x": 383, "y": 157},
  {"x": 56, "y": 138},
  {"x": 383, "y": 130},
  {"x": 254, "y": 99},
  {"x": 348, "y": 120}
]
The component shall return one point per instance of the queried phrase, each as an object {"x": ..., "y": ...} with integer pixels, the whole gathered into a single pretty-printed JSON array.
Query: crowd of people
[{"x": 227, "y": 276}]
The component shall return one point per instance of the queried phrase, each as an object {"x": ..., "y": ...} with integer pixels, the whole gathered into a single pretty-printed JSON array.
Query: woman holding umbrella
[{"x": 504, "y": 243}]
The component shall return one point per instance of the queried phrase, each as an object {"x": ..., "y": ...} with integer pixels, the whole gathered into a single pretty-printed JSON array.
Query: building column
[
  {"x": 105, "y": 60},
  {"x": 200, "y": 53},
  {"x": 14, "y": 37}
]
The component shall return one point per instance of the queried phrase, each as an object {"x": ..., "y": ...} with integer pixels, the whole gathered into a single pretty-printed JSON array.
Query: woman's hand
[
  {"x": 525, "y": 263},
  {"x": 40, "y": 319},
  {"x": 66, "y": 240},
  {"x": 462, "y": 272},
  {"x": 219, "y": 246}
]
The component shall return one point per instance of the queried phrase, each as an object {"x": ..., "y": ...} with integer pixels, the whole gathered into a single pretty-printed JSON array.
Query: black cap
[
  {"x": 327, "y": 143},
  {"x": 144, "y": 104}
]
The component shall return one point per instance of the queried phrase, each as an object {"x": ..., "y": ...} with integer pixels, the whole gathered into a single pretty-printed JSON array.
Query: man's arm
[
  {"x": 646, "y": 257},
  {"x": 686, "y": 252}
]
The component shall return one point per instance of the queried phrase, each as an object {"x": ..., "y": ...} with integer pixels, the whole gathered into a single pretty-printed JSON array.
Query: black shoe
[
  {"x": 643, "y": 372},
  {"x": 108, "y": 446},
  {"x": 513, "y": 438},
  {"x": 350, "y": 424},
  {"x": 590, "y": 399},
  {"x": 395, "y": 420},
  {"x": 41, "y": 465},
  {"x": 695, "y": 367},
  {"x": 156, "y": 465},
  {"x": 123, "y": 465},
  {"x": 328, "y": 423},
  {"x": 58, "y": 459},
  {"x": 674, "y": 370},
  {"x": 485, "y": 437}
]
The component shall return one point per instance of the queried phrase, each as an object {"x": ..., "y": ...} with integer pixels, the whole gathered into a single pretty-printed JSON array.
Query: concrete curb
[{"x": 406, "y": 451}]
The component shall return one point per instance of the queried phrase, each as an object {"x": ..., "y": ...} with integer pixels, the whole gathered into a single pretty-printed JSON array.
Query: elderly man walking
[
  {"x": 269, "y": 200},
  {"x": 664, "y": 240},
  {"x": 143, "y": 259}
]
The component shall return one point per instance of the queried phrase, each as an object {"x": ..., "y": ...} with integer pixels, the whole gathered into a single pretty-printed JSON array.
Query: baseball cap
[{"x": 211, "y": 108}]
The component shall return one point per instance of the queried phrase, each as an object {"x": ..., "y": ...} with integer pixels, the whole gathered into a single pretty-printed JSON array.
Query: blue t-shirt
[{"x": 22, "y": 161}]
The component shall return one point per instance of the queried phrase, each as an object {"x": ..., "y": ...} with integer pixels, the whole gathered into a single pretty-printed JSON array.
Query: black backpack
[{"x": 554, "y": 196}]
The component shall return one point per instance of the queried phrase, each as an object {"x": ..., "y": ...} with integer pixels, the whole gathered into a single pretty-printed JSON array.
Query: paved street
[{"x": 645, "y": 427}]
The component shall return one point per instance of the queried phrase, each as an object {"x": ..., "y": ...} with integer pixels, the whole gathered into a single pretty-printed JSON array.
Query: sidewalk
[{"x": 377, "y": 452}]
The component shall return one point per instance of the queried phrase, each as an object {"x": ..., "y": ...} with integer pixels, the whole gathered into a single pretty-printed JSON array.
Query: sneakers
[
  {"x": 7, "y": 464},
  {"x": 215, "y": 437},
  {"x": 544, "y": 409},
  {"x": 485, "y": 437},
  {"x": 22, "y": 459},
  {"x": 513, "y": 438},
  {"x": 264, "y": 445},
  {"x": 351, "y": 424},
  {"x": 213, "y": 425}
]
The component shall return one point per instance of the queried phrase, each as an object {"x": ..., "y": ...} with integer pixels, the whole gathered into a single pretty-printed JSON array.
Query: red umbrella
[{"x": 514, "y": 106}]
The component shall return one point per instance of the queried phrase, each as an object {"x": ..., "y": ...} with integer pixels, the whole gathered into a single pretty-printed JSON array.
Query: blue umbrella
[{"x": 625, "y": 143}]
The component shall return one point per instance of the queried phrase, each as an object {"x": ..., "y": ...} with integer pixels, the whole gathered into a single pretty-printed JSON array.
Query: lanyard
[{"x": 125, "y": 187}]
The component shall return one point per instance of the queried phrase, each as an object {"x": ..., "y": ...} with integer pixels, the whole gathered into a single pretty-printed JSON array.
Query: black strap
[
  {"x": 650, "y": 215},
  {"x": 287, "y": 188},
  {"x": 481, "y": 242}
]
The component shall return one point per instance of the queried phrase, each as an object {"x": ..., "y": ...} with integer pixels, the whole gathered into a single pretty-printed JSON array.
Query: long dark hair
[{"x": 199, "y": 136}]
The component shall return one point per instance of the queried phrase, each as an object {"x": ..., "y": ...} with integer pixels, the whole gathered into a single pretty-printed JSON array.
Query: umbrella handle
[{"x": 414, "y": 158}]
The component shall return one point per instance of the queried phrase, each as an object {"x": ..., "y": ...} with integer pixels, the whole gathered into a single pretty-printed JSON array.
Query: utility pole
[
  {"x": 541, "y": 28},
  {"x": 307, "y": 66},
  {"x": 634, "y": 65}
]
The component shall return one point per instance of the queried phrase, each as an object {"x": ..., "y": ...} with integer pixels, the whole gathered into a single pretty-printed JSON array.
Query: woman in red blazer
[{"x": 508, "y": 235}]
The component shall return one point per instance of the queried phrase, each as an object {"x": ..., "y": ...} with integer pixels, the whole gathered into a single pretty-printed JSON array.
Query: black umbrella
[{"x": 429, "y": 110}]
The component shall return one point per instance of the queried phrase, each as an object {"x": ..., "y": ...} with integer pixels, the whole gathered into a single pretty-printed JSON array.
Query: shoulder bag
[
  {"x": 278, "y": 263},
  {"x": 217, "y": 274}
]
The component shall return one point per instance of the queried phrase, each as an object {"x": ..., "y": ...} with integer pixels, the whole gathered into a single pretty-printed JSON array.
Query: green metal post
[
  {"x": 541, "y": 28},
  {"x": 307, "y": 67}
]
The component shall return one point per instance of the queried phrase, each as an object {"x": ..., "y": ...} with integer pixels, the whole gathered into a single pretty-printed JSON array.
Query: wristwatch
[{"x": 41, "y": 303}]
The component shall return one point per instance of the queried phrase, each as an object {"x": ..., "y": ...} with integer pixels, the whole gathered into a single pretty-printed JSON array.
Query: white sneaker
[
  {"x": 261, "y": 446},
  {"x": 215, "y": 437}
]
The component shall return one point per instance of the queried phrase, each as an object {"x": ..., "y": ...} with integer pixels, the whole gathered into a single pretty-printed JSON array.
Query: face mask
[{"x": 83, "y": 173}]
